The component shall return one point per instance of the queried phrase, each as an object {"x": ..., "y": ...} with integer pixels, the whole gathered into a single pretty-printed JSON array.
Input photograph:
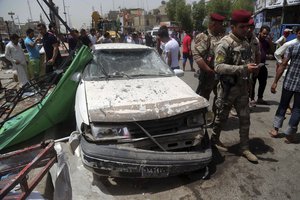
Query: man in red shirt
[{"x": 187, "y": 50}]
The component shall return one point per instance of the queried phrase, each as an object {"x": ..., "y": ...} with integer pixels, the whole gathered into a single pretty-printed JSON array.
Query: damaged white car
[{"x": 137, "y": 118}]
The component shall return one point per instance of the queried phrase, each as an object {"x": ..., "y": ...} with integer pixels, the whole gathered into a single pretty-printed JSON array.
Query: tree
[
  {"x": 171, "y": 9},
  {"x": 199, "y": 13},
  {"x": 179, "y": 11},
  {"x": 222, "y": 7},
  {"x": 243, "y": 4},
  {"x": 183, "y": 15}
]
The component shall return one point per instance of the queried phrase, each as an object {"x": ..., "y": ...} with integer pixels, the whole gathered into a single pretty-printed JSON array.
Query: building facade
[{"x": 277, "y": 14}]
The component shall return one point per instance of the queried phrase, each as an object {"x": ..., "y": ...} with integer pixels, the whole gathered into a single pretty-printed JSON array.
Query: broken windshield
[{"x": 126, "y": 63}]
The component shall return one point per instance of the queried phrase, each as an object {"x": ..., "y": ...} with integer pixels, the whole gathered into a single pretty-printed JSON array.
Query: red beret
[
  {"x": 251, "y": 22},
  {"x": 241, "y": 16},
  {"x": 217, "y": 17}
]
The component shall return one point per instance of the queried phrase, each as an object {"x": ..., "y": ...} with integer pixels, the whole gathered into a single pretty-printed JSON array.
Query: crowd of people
[
  {"x": 36, "y": 64},
  {"x": 229, "y": 66},
  {"x": 231, "y": 63}
]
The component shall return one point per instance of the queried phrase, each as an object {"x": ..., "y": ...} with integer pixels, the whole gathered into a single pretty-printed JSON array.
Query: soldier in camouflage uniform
[
  {"x": 203, "y": 54},
  {"x": 233, "y": 64}
]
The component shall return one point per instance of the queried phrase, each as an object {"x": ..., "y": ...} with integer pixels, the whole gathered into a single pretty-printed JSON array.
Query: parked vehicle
[
  {"x": 136, "y": 117},
  {"x": 154, "y": 33}
]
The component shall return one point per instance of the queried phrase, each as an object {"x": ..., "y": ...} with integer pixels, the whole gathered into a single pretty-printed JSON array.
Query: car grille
[
  {"x": 157, "y": 127},
  {"x": 160, "y": 126}
]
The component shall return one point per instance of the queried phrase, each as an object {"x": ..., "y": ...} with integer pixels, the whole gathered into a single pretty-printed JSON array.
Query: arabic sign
[
  {"x": 293, "y": 2},
  {"x": 259, "y": 5},
  {"x": 274, "y": 3}
]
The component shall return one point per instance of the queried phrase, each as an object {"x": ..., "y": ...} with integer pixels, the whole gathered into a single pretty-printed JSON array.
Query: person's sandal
[{"x": 274, "y": 133}]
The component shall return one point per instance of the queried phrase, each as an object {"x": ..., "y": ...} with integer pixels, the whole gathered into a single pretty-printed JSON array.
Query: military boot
[
  {"x": 218, "y": 144},
  {"x": 250, "y": 156}
]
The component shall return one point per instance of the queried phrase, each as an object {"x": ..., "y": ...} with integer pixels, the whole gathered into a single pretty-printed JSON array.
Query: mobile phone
[{"x": 260, "y": 65}]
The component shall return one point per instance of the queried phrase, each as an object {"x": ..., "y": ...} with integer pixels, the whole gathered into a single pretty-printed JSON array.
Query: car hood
[{"x": 140, "y": 99}]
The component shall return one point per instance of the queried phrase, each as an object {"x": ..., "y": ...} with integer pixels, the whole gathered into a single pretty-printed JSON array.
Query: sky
[{"x": 79, "y": 11}]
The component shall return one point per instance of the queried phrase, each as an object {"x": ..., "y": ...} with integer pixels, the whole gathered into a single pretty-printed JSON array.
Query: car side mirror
[
  {"x": 179, "y": 72},
  {"x": 76, "y": 77}
]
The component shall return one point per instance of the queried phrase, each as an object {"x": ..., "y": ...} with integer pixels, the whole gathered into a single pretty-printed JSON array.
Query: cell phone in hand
[{"x": 260, "y": 65}]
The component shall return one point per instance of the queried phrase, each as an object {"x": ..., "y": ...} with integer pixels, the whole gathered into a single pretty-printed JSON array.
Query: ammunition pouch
[
  {"x": 227, "y": 82},
  {"x": 205, "y": 78}
]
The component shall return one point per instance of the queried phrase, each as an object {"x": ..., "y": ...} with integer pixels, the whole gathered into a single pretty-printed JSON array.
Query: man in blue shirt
[{"x": 34, "y": 68}]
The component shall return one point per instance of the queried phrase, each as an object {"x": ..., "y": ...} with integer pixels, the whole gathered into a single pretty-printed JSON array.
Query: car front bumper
[{"x": 120, "y": 161}]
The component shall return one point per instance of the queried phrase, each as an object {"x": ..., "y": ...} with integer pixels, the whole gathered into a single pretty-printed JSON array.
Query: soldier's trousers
[
  {"x": 239, "y": 99},
  {"x": 206, "y": 85}
]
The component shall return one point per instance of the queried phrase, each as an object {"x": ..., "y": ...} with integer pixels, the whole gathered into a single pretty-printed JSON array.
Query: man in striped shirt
[{"x": 291, "y": 87}]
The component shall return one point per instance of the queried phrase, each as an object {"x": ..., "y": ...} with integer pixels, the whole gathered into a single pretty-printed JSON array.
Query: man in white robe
[{"x": 15, "y": 54}]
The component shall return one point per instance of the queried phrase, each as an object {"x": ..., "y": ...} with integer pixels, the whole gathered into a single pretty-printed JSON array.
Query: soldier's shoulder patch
[{"x": 220, "y": 57}]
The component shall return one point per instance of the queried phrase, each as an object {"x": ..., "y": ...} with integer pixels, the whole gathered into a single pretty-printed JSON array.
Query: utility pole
[
  {"x": 12, "y": 19},
  {"x": 11, "y": 15},
  {"x": 282, "y": 13},
  {"x": 6, "y": 22},
  {"x": 65, "y": 15},
  {"x": 69, "y": 16},
  {"x": 101, "y": 10},
  {"x": 29, "y": 10},
  {"x": 20, "y": 32}
]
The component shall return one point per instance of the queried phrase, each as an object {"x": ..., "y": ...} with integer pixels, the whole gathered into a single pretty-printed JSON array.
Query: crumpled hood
[{"x": 140, "y": 99}]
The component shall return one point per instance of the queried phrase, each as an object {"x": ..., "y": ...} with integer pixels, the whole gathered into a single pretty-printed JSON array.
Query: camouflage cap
[{"x": 241, "y": 16}]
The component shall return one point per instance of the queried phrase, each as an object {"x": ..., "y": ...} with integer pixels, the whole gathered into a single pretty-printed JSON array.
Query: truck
[{"x": 106, "y": 25}]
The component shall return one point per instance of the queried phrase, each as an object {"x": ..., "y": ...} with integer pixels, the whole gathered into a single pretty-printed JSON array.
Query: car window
[{"x": 129, "y": 63}]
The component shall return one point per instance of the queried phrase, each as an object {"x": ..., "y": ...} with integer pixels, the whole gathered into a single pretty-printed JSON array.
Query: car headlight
[
  {"x": 101, "y": 132},
  {"x": 195, "y": 120}
]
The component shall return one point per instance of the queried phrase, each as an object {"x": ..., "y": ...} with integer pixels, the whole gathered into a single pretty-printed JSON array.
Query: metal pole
[
  {"x": 57, "y": 15},
  {"x": 12, "y": 19},
  {"x": 11, "y": 15},
  {"x": 43, "y": 10},
  {"x": 65, "y": 15},
  {"x": 6, "y": 22},
  {"x": 29, "y": 10},
  {"x": 60, "y": 19},
  {"x": 282, "y": 13},
  {"x": 20, "y": 31}
]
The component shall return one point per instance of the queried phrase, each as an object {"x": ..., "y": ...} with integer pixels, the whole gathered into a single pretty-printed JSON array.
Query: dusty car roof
[{"x": 119, "y": 46}]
